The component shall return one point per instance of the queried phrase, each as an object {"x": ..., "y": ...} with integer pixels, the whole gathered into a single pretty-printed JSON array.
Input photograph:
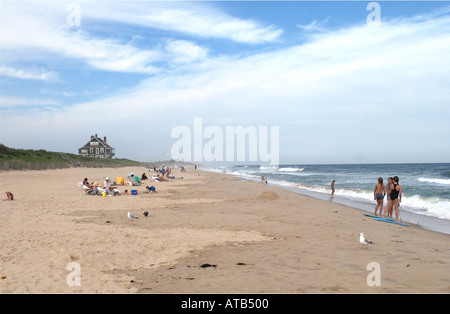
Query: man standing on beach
[{"x": 332, "y": 187}]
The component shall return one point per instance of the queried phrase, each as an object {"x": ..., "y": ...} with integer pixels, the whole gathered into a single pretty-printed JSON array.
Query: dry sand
[{"x": 249, "y": 238}]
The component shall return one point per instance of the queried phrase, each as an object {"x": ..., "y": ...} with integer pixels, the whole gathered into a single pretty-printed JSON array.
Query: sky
[{"x": 343, "y": 82}]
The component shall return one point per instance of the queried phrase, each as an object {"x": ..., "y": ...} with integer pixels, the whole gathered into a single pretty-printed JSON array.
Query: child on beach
[
  {"x": 332, "y": 187},
  {"x": 378, "y": 195},
  {"x": 10, "y": 196},
  {"x": 149, "y": 189}
]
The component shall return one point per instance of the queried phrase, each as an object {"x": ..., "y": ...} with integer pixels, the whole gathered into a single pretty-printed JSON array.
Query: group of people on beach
[
  {"x": 393, "y": 193},
  {"x": 110, "y": 188},
  {"x": 107, "y": 187}
]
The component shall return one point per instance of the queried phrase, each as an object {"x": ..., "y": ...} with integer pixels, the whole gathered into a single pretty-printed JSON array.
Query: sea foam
[{"x": 436, "y": 181}]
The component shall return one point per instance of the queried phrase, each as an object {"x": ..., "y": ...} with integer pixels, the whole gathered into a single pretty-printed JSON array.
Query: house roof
[{"x": 99, "y": 140}]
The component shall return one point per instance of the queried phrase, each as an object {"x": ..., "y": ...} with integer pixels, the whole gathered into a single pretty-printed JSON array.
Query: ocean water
[{"x": 426, "y": 187}]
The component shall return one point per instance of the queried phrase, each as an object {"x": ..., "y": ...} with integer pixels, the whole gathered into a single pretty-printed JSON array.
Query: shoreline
[
  {"x": 422, "y": 221},
  {"x": 206, "y": 233},
  {"x": 426, "y": 222}
]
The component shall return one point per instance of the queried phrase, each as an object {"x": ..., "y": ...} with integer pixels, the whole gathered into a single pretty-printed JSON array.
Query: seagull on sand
[
  {"x": 131, "y": 216},
  {"x": 363, "y": 240}
]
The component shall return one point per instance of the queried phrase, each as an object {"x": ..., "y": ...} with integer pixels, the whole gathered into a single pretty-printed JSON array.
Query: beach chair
[
  {"x": 90, "y": 191},
  {"x": 134, "y": 180}
]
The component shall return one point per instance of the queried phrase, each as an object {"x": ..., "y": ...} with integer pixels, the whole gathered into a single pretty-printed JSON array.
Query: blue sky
[{"x": 340, "y": 90}]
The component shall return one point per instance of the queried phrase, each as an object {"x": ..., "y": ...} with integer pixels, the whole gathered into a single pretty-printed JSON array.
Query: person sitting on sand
[
  {"x": 10, "y": 196},
  {"x": 161, "y": 178},
  {"x": 106, "y": 185},
  {"x": 90, "y": 189},
  {"x": 378, "y": 195},
  {"x": 86, "y": 183},
  {"x": 144, "y": 177}
]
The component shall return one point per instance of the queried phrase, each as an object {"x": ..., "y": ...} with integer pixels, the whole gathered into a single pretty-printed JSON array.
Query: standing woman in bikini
[{"x": 378, "y": 195}]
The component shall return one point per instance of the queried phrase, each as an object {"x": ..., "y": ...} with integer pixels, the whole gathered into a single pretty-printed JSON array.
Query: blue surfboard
[
  {"x": 391, "y": 221},
  {"x": 371, "y": 216}
]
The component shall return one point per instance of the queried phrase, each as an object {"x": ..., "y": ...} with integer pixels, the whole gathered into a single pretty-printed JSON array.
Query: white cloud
[
  {"x": 199, "y": 20},
  {"x": 40, "y": 38},
  {"x": 314, "y": 26},
  {"x": 15, "y": 102},
  {"x": 28, "y": 74},
  {"x": 183, "y": 51},
  {"x": 41, "y": 29}
]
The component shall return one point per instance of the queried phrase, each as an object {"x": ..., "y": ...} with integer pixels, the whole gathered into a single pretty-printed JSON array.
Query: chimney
[
  {"x": 96, "y": 135},
  {"x": 104, "y": 138},
  {"x": 92, "y": 136}
]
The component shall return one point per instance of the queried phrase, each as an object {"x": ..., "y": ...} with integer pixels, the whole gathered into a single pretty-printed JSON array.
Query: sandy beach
[{"x": 205, "y": 233}]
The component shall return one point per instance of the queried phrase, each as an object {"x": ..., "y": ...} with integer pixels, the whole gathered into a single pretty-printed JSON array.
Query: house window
[
  {"x": 96, "y": 150},
  {"x": 91, "y": 150},
  {"x": 102, "y": 150}
]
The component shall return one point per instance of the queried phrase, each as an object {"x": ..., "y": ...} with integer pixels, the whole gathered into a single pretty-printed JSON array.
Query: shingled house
[{"x": 97, "y": 148}]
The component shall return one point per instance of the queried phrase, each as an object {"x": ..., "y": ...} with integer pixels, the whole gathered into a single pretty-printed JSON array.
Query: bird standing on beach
[
  {"x": 363, "y": 240},
  {"x": 131, "y": 216}
]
